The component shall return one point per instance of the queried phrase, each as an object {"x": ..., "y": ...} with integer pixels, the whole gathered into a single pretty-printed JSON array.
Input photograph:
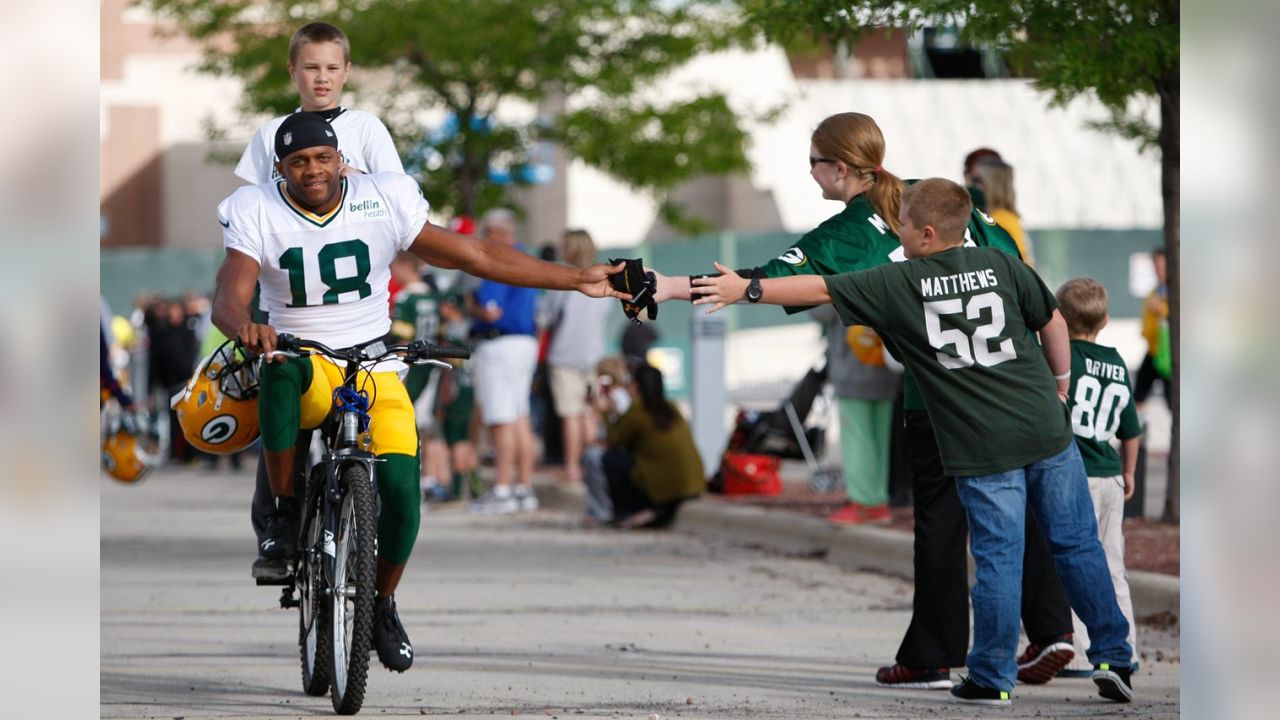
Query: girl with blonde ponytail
[{"x": 854, "y": 140}]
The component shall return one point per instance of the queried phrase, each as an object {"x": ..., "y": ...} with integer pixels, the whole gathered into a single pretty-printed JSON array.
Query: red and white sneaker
[
  {"x": 899, "y": 676},
  {"x": 853, "y": 513},
  {"x": 1039, "y": 664}
]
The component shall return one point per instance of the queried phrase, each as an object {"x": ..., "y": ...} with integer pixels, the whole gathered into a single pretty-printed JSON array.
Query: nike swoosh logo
[{"x": 224, "y": 224}]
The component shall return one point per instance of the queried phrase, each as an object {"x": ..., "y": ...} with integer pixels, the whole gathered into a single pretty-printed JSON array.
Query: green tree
[
  {"x": 1124, "y": 53},
  {"x": 595, "y": 57}
]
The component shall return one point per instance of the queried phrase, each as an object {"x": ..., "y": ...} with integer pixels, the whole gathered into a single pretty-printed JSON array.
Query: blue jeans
[{"x": 1058, "y": 491}]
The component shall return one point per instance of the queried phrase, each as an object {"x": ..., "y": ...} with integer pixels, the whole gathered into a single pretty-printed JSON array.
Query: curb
[{"x": 850, "y": 548}]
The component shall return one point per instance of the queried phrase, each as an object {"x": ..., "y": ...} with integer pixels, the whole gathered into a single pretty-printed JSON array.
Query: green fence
[
  {"x": 125, "y": 274},
  {"x": 1060, "y": 254}
]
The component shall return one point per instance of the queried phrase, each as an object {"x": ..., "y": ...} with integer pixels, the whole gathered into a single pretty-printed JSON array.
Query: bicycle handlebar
[
  {"x": 457, "y": 353},
  {"x": 418, "y": 350}
]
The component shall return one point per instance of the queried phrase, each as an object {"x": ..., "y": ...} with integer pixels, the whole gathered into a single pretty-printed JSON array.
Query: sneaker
[
  {"x": 1114, "y": 682},
  {"x": 389, "y": 637},
  {"x": 281, "y": 543},
  {"x": 901, "y": 676},
  {"x": 971, "y": 693},
  {"x": 848, "y": 514},
  {"x": 876, "y": 514},
  {"x": 436, "y": 493},
  {"x": 1040, "y": 663},
  {"x": 528, "y": 501},
  {"x": 853, "y": 513},
  {"x": 495, "y": 502}
]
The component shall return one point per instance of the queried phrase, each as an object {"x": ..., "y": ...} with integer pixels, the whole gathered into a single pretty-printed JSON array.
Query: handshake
[{"x": 640, "y": 284}]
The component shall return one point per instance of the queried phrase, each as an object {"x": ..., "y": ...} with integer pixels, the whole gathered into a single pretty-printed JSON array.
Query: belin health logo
[{"x": 368, "y": 208}]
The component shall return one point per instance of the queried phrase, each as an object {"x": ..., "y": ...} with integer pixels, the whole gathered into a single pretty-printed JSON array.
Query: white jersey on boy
[{"x": 363, "y": 142}]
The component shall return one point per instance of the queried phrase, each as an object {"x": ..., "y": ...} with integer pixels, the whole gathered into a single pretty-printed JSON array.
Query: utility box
[{"x": 707, "y": 395}]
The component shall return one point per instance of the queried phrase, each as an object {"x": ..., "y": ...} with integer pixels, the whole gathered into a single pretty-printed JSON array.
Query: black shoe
[
  {"x": 1113, "y": 682},
  {"x": 265, "y": 568},
  {"x": 971, "y": 693},
  {"x": 281, "y": 542},
  {"x": 389, "y": 637}
]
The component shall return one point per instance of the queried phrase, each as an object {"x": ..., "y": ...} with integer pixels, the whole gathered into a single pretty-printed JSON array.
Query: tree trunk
[
  {"x": 467, "y": 186},
  {"x": 1170, "y": 149},
  {"x": 467, "y": 174}
]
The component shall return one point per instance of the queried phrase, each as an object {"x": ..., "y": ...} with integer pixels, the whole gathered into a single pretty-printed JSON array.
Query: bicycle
[{"x": 334, "y": 572}]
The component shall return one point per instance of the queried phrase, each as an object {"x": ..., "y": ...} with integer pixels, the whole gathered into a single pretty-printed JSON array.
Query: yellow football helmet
[
  {"x": 123, "y": 456},
  {"x": 218, "y": 409},
  {"x": 866, "y": 345}
]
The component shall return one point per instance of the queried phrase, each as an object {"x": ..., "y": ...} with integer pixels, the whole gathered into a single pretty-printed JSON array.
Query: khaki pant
[{"x": 1108, "y": 508}]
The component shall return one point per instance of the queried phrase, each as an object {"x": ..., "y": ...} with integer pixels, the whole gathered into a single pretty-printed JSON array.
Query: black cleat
[
  {"x": 265, "y": 568},
  {"x": 281, "y": 543},
  {"x": 389, "y": 637}
]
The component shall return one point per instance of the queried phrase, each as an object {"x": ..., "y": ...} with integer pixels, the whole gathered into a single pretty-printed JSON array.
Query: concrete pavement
[{"x": 527, "y": 616}]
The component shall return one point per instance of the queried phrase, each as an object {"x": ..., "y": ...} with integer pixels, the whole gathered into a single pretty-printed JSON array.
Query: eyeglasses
[{"x": 815, "y": 160}]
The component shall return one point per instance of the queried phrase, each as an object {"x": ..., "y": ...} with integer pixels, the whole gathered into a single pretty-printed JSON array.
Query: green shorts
[{"x": 457, "y": 416}]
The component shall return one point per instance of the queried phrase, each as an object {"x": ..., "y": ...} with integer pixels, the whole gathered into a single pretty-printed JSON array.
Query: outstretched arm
[
  {"x": 675, "y": 287},
  {"x": 498, "y": 261},
  {"x": 729, "y": 288},
  {"x": 231, "y": 298}
]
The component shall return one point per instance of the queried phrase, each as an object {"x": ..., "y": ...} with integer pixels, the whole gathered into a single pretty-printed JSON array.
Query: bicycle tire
[
  {"x": 351, "y": 610},
  {"x": 314, "y": 631}
]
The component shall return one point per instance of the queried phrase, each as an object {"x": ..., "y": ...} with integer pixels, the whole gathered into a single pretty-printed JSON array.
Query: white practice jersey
[
  {"x": 325, "y": 277},
  {"x": 363, "y": 142}
]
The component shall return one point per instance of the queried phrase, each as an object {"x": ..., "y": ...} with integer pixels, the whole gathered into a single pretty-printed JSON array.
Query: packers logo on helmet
[
  {"x": 218, "y": 409},
  {"x": 219, "y": 429}
]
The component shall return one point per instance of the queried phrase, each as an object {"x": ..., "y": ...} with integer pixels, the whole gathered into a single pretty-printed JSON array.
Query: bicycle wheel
[
  {"x": 314, "y": 630},
  {"x": 351, "y": 607}
]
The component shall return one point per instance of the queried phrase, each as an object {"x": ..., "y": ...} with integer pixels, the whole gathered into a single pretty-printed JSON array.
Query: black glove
[{"x": 640, "y": 285}]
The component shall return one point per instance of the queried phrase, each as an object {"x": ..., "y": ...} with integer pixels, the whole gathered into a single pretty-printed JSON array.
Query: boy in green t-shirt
[
  {"x": 963, "y": 320},
  {"x": 1102, "y": 408}
]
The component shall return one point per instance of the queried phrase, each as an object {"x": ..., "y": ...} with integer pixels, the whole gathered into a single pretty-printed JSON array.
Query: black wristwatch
[{"x": 754, "y": 293}]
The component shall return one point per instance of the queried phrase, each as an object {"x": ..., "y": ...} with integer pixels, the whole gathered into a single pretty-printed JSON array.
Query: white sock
[{"x": 502, "y": 491}]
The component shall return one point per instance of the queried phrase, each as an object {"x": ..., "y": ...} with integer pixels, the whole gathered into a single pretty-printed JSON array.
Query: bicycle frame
[
  {"x": 335, "y": 572},
  {"x": 343, "y": 447}
]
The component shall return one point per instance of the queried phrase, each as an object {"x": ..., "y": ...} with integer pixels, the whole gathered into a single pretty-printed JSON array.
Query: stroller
[{"x": 760, "y": 439}]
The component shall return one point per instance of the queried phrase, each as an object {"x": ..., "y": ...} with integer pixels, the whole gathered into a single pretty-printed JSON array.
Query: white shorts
[
  {"x": 569, "y": 390},
  {"x": 503, "y": 371}
]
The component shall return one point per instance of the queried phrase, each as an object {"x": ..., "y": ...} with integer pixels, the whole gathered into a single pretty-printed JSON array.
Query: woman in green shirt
[{"x": 652, "y": 464}]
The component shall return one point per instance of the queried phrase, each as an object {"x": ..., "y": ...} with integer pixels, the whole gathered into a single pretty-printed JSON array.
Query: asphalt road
[{"x": 527, "y": 616}]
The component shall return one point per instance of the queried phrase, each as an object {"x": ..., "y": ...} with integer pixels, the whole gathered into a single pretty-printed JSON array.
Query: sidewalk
[{"x": 858, "y": 548}]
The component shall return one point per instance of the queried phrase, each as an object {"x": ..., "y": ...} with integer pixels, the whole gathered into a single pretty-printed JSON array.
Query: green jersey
[
  {"x": 858, "y": 238},
  {"x": 416, "y": 313},
  {"x": 1102, "y": 406},
  {"x": 963, "y": 322},
  {"x": 855, "y": 239}
]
